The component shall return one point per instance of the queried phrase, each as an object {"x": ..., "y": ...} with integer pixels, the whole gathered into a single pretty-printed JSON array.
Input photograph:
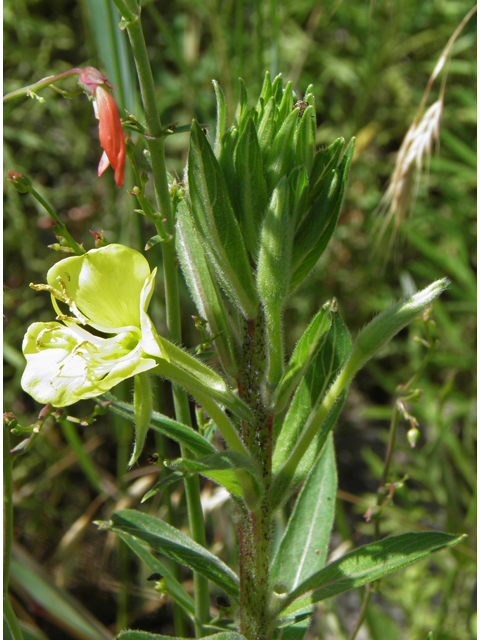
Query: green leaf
[
  {"x": 318, "y": 226},
  {"x": 142, "y": 404},
  {"x": 326, "y": 160},
  {"x": 321, "y": 373},
  {"x": 155, "y": 565},
  {"x": 266, "y": 92},
  {"x": 282, "y": 153},
  {"x": 62, "y": 608},
  {"x": 145, "y": 635},
  {"x": 307, "y": 348},
  {"x": 169, "y": 479},
  {"x": 266, "y": 127},
  {"x": 380, "y": 624},
  {"x": 298, "y": 182},
  {"x": 286, "y": 105},
  {"x": 273, "y": 271},
  {"x": 221, "y": 116},
  {"x": 217, "y": 226},
  {"x": 174, "y": 544},
  {"x": 204, "y": 289},
  {"x": 277, "y": 89},
  {"x": 182, "y": 434},
  {"x": 304, "y": 545},
  {"x": 305, "y": 140},
  {"x": 242, "y": 104},
  {"x": 366, "y": 564},
  {"x": 223, "y": 467},
  {"x": 253, "y": 193}
]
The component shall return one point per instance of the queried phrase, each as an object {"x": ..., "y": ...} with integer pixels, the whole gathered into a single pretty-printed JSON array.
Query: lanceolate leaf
[
  {"x": 306, "y": 402},
  {"x": 303, "y": 548},
  {"x": 307, "y": 348},
  {"x": 187, "y": 436},
  {"x": 174, "y": 544},
  {"x": 318, "y": 226},
  {"x": 253, "y": 193},
  {"x": 366, "y": 564},
  {"x": 221, "y": 116},
  {"x": 321, "y": 373},
  {"x": 223, "y": 467},
  {"x": 166, "y": 481},
  {"x": 282, "y": 153},
  {"x": 217, "y": 225},
  {"x": 155, "y": 565},
  {"x": 204, "y": 289}
]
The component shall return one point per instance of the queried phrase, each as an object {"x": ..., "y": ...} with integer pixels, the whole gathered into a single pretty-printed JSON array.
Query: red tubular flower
[{"x": 110, "y": 129}]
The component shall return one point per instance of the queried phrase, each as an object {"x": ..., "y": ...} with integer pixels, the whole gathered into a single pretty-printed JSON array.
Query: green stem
[
  {"x": 41, "y": 84},
  {"x": 275, "y": 347},
  {"x": 8, "y": 535},
  {"x": 60, "y": 228},
  {"x": 11, "y": 619},
  {"x": 7, "y": 508},
  {"x": 155, "y": 143}
]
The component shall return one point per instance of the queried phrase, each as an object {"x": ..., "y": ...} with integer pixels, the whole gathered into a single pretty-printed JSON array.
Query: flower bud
[{"x": 21, "y": 183}]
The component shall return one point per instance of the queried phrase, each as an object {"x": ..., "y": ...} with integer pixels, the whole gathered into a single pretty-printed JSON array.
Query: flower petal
[
  {"x": 110, "y": 132},
  {"x": 152, "y": 343},
  {"x": 103, "y": 164},
  {"x": 67, "y": 364},
  {"x": 105, "y": 284}
]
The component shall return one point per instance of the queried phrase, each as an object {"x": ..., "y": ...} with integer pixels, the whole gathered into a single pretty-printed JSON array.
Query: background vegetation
[{"x": 369, "y": 63}]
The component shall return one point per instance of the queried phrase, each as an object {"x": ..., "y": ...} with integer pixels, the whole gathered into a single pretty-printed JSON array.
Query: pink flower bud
[{"x": 110, "y": 129}]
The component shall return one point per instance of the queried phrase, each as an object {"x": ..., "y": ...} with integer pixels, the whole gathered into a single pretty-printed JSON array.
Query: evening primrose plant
[{"x": 256, "y": 210}]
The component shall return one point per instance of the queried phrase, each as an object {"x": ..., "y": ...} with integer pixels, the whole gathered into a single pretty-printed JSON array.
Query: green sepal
[
  {"x": 226, "y": 160},
  {"x": 318, "y": 226},
  {"x": 274, "y": 259},
  {"x": 221, "y": 117},
  {"x": 299, "y": 187},
  {"x": 286, "y": 105},
  {"x": 216, "y": 223},
  {"x": 277, "y": 89},
  {"x": 252, "y": 196},
  {"x": 282, "y": 153},
  {"x": 307, "y": 348},
  {"x": 204, "y": 290},
  {"x": 310, "y": 96},
  {"x": 324, "y": 162},
  {"x": 142, "y": 403},
  {"x": 266, "y": 127},
  {"x": 242, "y": 104},
  {"x": 266, "y": 92},
  {"x": 305, "y": 140}
]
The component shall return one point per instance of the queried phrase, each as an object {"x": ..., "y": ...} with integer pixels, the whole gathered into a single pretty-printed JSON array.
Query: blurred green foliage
[{"x": 369, "y": 63}]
